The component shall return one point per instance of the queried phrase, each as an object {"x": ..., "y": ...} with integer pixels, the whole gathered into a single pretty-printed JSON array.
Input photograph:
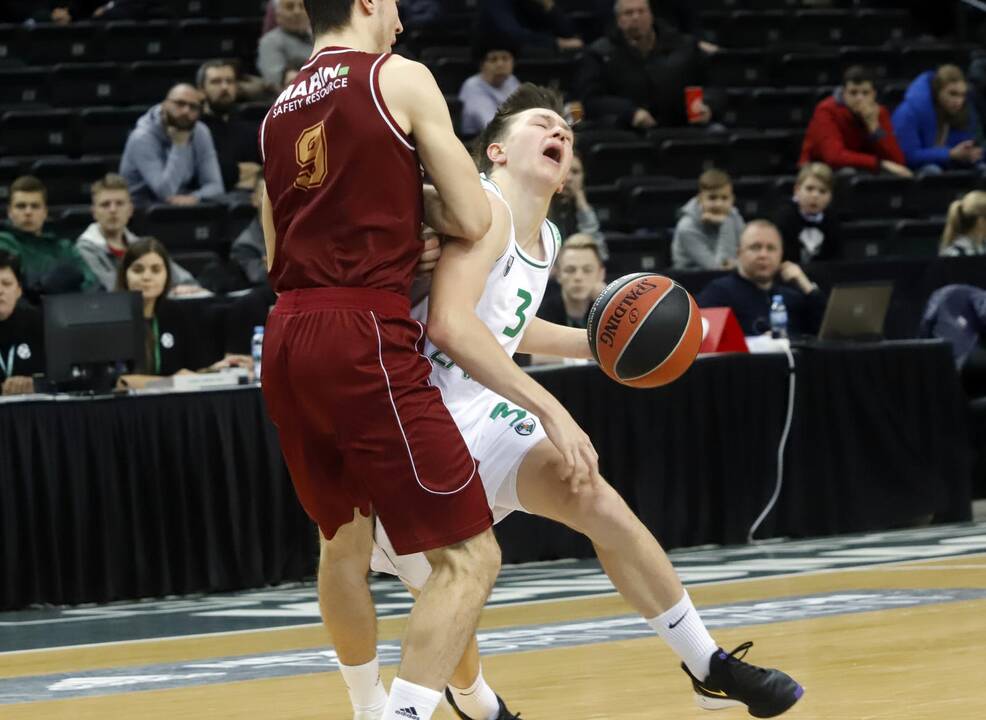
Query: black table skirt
[{"x": 156, "y": 495}]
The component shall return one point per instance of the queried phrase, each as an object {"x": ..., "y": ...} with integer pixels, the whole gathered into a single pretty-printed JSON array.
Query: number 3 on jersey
[
  {"x": 526, "y": 300},
  {"x": 310, "y": 151}
]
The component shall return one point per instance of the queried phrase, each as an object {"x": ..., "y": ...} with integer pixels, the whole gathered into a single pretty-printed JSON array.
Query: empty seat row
[
  {"x": 123, "y": 41},
  {"x": 761, "y": 28}
]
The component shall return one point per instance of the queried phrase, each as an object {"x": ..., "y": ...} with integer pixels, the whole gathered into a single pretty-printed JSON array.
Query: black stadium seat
[
  {"x": 558, "y": 73},
  {"x": 127, "y": 41},
  {"x": 637, "y": 252},
  {"x": 882, "y": 62},
  {"x": 866, "y": 238},
  {"x": 68, "y": 181},
  {"x": 11, "y": 40},
  {"x": 752, "y": 29},
  {"x": 821, "y": 27},
  {"x": 688, "y": 158},
  {"x": 451, "y": 72},
  {"x": 875, "y": 196},
  {"x": 917, "y": 238},
  {"x": 227, "y": 38},
  {"x": 763, "y": 153},
  {"x": 150, "y": 81},
  {"x": 814, "y": 68},
  {"x": 932, "y": 194},
  {"x": 657, "y": 206},
  {"x": 877, "y": 27},
  {"x": 75, "y": 85},
  {"x": 46, "y": 44},
  {"x": 42, "y": 132},
  {"x": 746, "y": 68},
  {"x": 21, "y": 88},
  {"x": 605, "y": 162},
  {"x": 105, "y": 130},
  {"x": 197, "y": 227}
]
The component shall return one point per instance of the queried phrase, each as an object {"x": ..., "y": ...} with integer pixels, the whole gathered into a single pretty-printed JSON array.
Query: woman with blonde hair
[{"x": 965, "y": 228}]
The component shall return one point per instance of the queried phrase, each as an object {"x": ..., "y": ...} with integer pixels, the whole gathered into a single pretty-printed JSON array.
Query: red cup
[{"x": 694, "y": 100}]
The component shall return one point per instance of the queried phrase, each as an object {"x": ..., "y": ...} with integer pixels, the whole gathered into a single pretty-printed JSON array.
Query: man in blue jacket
[
  {"x": 760, "y": 274},
  {"x": 170, "y": 156},
  {"x": 936, "y": 125}
]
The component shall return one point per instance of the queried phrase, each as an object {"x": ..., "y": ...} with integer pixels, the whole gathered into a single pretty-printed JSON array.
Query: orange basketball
[{"x": 644, "y": 330}]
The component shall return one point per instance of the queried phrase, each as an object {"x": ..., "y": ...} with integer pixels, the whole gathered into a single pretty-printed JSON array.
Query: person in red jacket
[{"x": 851, "y": 130}]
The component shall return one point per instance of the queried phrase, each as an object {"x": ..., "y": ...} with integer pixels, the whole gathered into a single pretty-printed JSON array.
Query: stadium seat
[
  {"x": 46, "y": 44},
  {"x": 198, "y": 227},
  {"x": 558, "y": 73},
  {"x": 150, "y": 81},
  {"x": 763, "y": 153},
  {"x": 10, "y": 170},
  {"x": 432, "y": 53},
  {"x": 688, "y": 158},
  {"x": 757, "y": 197},
  {"x": 105, "y": 130},
  {"x": 605, "y": 161},
  {"x": 864, "y": 239},
  {"x": 636, "y": 253},
  {"x": 753, "y": 29},
  {"x": 228, "y": 38},
  {"x": 932, "y": 194},
  {"x": 879, "y": 196},
  {"x": 74, "y": 85},
  {"x": 11, "y": 39},
  {"x": 821, "y": 27},
  {"x": 23, "y": 88},
  {"x": 451, "y": 72},
  {"x": 149, "y": 40},
  {"x": 916, "y": 59},
  {"x": 783, "y": 107},
  {"x": 656, "y": 206},
  {"x": 42, "y": 132},
  {"x": 877, "y": 27},
  {"x": 607, "y": 201},
  {"x": 195, "y": 261},
  {"x": 730, "y": 68},
  {"x": 917, "y": 238},
  {"x": 68, "y": 181},
  {"x": 882, "y": 62},
  {"x": 814, "y": 68},
  {"x": 69, "y": 222}
]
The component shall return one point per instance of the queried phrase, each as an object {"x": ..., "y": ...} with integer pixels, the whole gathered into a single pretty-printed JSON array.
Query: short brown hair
[
  {"x": 817, "y": 170},
  {"x": 582, "y": 241},
  {"x": 110, "y": 181},
  {"x": 29, "y": 184},
  {"x": 713, "y": 180},
  {"x": 526, "y": 97}
]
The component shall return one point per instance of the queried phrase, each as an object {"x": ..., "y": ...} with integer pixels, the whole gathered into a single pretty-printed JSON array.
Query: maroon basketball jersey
[{"x": 343, "y": 178}]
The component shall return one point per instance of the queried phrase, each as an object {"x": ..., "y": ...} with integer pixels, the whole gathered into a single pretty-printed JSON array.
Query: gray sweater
[
  {"x": 155, "y": 168},
  {"x": 698, "y": 245},
  {"x": 277, "y": 51},
  {"x": 94, "y": 250}
]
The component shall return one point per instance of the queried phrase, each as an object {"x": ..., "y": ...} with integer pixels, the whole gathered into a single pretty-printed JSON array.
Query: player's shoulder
[{"x": 402, "y": 67}]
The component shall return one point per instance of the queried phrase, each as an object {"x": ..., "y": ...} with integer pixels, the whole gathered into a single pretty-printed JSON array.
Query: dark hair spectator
[
  {"x": 528, "y": 24},
  {"x": 107, "y": 238},
  {"x": 809, "y": 230},
  {"x": 235, "y": 138},
  {"x": 709, "y": 226},
  {"x": 850, "y": 129},
  {"x": 760, "y": 274},
  {"x": 965, "y": 227},
  {"x": 936, "y": 125},
  {"x": 21, "y": 332},
  {"x": 50, "y": 264},
  {"x": 287, "y": 45},
  {"x": 482, "y": 93},
  {"x": 636, "y": 76},
  {"x": 170, "y": 156}
]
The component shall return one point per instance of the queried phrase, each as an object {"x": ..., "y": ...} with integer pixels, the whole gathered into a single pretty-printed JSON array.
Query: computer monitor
[
  {"x": 91, "y": 338},
  {"x": 856, "y": 312}
]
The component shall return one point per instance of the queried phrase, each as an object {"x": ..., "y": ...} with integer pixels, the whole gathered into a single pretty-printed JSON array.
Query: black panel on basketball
[
  {"x": 596, "y": 311},
  {"x": 657, "y": 337}
]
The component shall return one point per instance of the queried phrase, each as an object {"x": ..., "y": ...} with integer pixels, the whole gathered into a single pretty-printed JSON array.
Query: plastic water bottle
[
  {"x": 778, "y": 317},
  {"x": 257, "y": 350}
]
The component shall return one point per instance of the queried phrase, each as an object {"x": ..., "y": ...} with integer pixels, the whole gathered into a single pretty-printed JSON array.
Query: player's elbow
[
  {"x": 477, "y": 222},
  {"x": 441, "y": 326}
]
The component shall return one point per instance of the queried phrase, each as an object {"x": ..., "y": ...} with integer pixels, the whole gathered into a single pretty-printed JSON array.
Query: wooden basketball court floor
[{"x": 889, "y": 625}]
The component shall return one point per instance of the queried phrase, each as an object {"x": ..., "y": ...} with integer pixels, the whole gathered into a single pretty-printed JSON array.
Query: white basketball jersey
[{"x": 513, "y": 293}]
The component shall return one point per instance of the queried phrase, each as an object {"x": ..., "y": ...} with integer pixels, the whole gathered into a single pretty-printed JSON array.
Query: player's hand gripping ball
[{"x": 644, "y": 330}]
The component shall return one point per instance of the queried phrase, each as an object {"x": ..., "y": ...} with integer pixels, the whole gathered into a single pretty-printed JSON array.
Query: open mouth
[{"x": 553, "y": 153}]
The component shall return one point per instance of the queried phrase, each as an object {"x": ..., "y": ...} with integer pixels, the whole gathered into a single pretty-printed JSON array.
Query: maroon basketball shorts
[{"x": 359, "y": 423}]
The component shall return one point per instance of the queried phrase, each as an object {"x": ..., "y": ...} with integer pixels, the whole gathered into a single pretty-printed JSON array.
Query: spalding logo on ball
[{"x": 644, "y": 330}]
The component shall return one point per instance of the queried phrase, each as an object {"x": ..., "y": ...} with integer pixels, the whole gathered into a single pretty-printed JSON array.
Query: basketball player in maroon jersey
[{"x": 360, "y": 426}]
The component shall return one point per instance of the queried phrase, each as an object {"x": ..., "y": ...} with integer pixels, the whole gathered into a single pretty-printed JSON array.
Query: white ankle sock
[
  {"x": 366, "y": 692},
  {"x": 478, "y": 701},
  {"x": 683, "y": 629},
  {"x": 408, "y": 701}
]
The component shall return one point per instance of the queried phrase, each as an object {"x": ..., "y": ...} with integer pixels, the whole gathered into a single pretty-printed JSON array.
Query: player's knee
[
  {"x": 477, "y": 559},
  {"x": 344, "y": 554}
]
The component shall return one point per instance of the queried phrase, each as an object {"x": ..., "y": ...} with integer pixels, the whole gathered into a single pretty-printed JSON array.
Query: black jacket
[
  {"x": 808, "y": 240},
  {"x": 752, "y": 305},
  {"x": 236, "y": 141},
  {"x": 615, "y": 80},
  {"x": 22, "y": 350}
]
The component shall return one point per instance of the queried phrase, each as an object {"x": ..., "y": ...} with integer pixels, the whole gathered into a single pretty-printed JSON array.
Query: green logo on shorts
[
  {"x": 525, "y": 427},
  {"x": 505, "y": 411}
]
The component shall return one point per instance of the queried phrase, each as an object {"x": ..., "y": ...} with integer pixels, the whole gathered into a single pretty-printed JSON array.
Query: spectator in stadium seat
[
  {"x": 286, "y": 46},
  {"x": 49, "y": 264},
  {"x": 483, "y": 93},
  {"x": 571, "y": 211},
  {"x": 760, "y": 274},
  {"x": 709, "y": 226},
  {"x": 581, "y": 275},
  {"x": 106, "y": 240},
  {"x": 235, "y": 138},
  {"x": 636, "y": 76},
  {"x": 59, "y": 12},
  {"x": 965, "y": 228},
  {"x": 170, "y": 156},
  {"x": 936, "y": 125},
  {"x": 21, "y": 332},
  {"x": 810, "y": 232},
  {"x": 851, "y": 130},
  {"x": 249, "y": 251},
  {"x": 145, "y": 268},
  {"x": 529, "y": 25}
]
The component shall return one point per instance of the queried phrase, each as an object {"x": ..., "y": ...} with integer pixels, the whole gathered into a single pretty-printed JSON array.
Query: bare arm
[
  {"x": 455, "y": 328},
  {"x": 270, "y": 235},
  {"x": 457, "y": 206},
  {"x": 547, "y": 338}
]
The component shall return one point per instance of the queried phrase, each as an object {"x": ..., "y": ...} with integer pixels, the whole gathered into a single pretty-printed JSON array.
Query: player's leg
[
  {"x": 348, "y": 614},
  {"x": 641, "y": 571}
]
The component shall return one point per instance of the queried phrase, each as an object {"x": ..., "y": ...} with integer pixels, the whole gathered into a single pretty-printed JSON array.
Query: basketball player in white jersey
[{"x": 480, "y": 311}]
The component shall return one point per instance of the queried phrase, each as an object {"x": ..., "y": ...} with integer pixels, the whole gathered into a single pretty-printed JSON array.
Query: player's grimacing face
[{"x": 540, "y": 143}]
